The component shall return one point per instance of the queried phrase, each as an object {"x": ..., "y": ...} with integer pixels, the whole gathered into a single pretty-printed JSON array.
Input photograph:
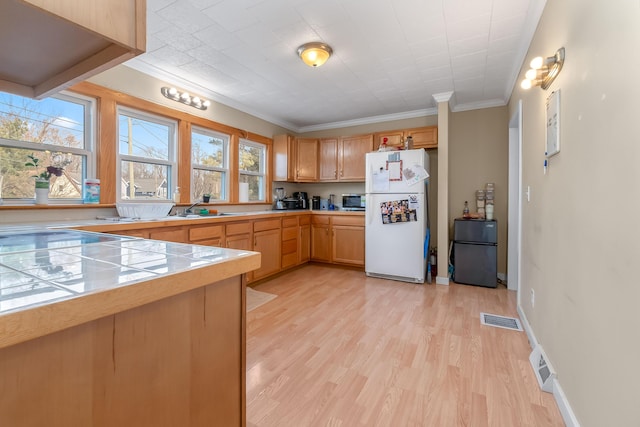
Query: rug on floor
[{"x": 256, "y": 298}]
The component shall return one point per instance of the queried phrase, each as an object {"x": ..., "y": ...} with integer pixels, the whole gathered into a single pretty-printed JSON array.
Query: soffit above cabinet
[{"x": 46, "y": 45}]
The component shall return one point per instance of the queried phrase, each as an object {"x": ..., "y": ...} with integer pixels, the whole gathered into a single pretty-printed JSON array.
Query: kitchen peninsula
[{"x": 103, "y": 330}]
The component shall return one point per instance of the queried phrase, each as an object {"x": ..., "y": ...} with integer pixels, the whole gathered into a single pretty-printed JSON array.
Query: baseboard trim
[
  {"x": 567, "y": 413},
  {"x": 568, "y": 416},
  {"x": 442, "y": 280}
]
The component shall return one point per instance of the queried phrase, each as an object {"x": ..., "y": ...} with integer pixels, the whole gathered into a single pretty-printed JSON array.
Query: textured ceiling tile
[{"x": 390, "y": 56}]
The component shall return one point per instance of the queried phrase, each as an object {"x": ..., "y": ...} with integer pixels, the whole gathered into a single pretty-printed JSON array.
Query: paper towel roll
[{"x": 244, "y": 192}]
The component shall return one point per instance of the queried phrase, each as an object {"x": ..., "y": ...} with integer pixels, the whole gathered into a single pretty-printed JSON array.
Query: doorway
[{"x": 514, "y": 244}]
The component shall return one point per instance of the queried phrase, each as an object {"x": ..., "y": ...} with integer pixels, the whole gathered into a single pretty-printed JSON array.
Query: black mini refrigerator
[{"x": 475, "y": 252}]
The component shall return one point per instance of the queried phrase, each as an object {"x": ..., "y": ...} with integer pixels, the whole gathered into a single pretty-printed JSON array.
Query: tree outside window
[
  {"x": 56, "y": 130},
  {"x": 210, "y": 165},
  {"x": 252, "y": 168},
  {"x": 147, "y": 156}
]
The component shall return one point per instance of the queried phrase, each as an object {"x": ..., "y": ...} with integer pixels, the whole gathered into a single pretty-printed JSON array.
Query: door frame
[{"x": 514, "y": 243}]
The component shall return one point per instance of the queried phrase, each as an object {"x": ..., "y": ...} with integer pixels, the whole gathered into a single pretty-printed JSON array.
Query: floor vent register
[{"x": 500, "y": 321}]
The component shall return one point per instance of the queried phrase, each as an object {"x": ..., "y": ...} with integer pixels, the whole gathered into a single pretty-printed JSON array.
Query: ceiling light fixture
[
  {"x": 185, "y": 98},
  {"x": 543, "y": 71},
  {"x": 314, "y": 54}
]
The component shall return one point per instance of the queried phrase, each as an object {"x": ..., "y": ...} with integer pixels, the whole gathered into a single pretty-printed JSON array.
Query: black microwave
[{"x": 353, "y": 202}]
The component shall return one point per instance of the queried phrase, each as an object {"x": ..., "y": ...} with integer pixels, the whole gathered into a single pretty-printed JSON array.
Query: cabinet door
[
  {"x": 240, "y": 242},
  {"x": 393, "y": 139},
  {"x": 284, "y": 158},
  {"x": 320, "y": 242},
  {"x": 348, "y": 244},
  {"x": 329, "y": 159},
  {"x": 307, "y": 159},
  {"x": 352, "y": 157},
  {"x": 304, "y": 244},
  {"x": 268, "y": 244},
  {"x": 424, "y": 137}
]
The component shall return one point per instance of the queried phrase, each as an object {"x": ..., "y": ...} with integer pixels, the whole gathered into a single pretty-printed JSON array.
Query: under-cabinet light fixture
[
  {"x": 543, "y": 71},
  {"x": 314, "y": 54},
  {"x": 185, "y": 97}
]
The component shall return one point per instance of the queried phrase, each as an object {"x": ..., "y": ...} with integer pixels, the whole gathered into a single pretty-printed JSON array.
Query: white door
[{"x": 395, "y": 247}]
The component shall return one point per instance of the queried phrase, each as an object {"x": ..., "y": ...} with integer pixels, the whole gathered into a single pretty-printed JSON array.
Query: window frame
[
  {"x": 88, "y": 153},
  {"x": 172, "y": 152},
  {"x": 225, "y": 170},
  {"x": 262, "y": 173}
]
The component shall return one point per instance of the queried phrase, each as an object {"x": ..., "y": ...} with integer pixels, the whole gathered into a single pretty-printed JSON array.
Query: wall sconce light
[
  {"x": 314, "y": 54},
  {"x": 543, "y": 71},
  {"x": 185, "y": 98}
]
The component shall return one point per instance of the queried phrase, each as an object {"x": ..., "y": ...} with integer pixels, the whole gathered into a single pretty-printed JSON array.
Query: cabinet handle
[{"x": 341, "y": 174}]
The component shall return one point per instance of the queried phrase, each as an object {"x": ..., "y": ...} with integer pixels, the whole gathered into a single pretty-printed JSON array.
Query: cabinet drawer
[
  {"x": 290, "y": 246},
  {"x": 208, "y": 232},
  {"x": 305, "y": 220},
  {"x": 238, "y": 228},
  {"x": 290, "y": 233},
  {"x": 318, "y": 219},
  {"x": 348, "y": 220},
  {"x": 291, "y": 221},
  {"x": 267, "y": 224}
]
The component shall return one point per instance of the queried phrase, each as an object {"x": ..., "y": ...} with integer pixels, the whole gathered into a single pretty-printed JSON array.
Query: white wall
[{"x": 580, "y": 243}]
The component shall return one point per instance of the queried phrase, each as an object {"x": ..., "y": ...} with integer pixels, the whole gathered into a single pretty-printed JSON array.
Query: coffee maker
[
  {"x": 315, "y": 203},
  {"x": 303, "y": 199}
]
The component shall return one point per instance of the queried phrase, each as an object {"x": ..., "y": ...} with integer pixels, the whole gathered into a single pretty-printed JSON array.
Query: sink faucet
[{"x": 188, "y": 210}]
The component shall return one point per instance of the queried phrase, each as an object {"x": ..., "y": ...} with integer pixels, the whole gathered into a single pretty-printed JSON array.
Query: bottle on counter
[
  {"x": 176, "y": 195},
  {"x": 465, "y": 211}
]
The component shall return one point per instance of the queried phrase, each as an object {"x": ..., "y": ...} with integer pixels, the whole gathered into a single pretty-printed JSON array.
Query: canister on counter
[{"x": 91, "y": 191}]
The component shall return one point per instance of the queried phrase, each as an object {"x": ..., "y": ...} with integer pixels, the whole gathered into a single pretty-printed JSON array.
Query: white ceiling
[{"x": 390, "y": 56}]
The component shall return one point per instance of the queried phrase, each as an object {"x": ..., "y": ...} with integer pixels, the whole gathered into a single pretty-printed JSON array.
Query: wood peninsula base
[{"x": 178, "y": 361}]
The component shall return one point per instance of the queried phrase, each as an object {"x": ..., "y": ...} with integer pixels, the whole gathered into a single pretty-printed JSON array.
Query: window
[
  {"x": 252, "y": 169},
  {"x": 209, "y": 165},
  {"x": 146, "y": 156},
  {"x": 58, "y": 131}
]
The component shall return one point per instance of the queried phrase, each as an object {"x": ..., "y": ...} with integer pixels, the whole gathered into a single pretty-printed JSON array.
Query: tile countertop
[{"x": 52, "y": 279}]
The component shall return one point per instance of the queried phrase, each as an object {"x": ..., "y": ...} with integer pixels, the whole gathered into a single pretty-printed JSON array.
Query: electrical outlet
[{"x": 533, "y": 298}]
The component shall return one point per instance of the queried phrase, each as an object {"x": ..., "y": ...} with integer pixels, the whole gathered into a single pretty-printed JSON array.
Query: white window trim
[
  {"x": 225, "y": 154},
  {"x": 263, "y": 167},
  {"x": 88, "y": 152},
  {"x": 172, "y": 162}
]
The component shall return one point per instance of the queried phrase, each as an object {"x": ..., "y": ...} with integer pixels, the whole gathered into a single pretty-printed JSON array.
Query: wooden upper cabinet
[
  {"x": 284, "y": 158},
  {"x": 352, "y": 153},
  {"x": 424, "y": 137},
  {"x": 393, "y": 139},
  {"x": 57, "y": 43},
  {"x": 306, "y": 159},
  {"x": 329, "y": 159}
]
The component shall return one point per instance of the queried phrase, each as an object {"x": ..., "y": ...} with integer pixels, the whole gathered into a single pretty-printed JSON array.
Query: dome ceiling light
[{"x": 314, "y": 54}]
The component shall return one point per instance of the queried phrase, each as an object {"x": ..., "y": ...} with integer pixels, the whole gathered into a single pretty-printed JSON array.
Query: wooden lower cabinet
[
  {"x": 321, "y": 238},
  {"x": 267, "y": 241},
  {"x": 179, "y": 361},
  {"x": 347, "y": 244},
  {"x": 210, "y": 235},
  {"x": 338, "y": 239},
  {"x": 304, "y": 241}
]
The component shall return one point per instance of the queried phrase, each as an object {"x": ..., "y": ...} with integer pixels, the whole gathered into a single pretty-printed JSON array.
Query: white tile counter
[{"x": 51, "y": 279}]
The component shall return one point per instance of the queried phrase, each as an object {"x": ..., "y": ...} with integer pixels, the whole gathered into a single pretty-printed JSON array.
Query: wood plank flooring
[{"x": 337, "y": 348}]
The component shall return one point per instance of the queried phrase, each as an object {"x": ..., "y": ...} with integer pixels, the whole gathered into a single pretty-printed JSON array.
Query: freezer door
[
  {"x": 395, "y": 248},
  {"x": 475, "y": 264},
  {"x": 471, "y": 230},
  {"x": 377, "y": 161}
]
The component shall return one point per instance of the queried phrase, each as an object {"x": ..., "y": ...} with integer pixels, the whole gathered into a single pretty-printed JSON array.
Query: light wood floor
[{"x": 337, "y": 348}]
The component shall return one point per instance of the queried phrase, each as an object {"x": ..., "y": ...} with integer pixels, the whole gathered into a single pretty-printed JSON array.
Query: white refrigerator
[{"x": 396, "y": 224}]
